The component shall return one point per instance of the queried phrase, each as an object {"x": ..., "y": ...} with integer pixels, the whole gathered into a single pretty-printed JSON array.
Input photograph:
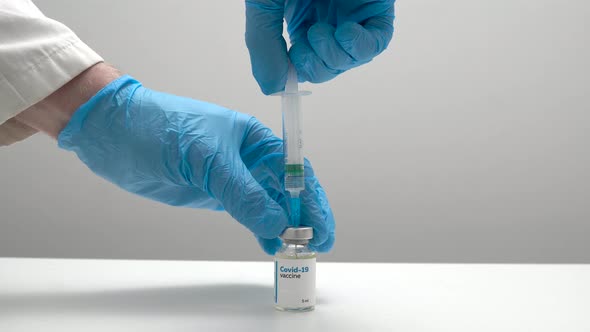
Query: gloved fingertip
[
  {"x": 318, "y": 212},
  {"x": 326, "y": 246},
  {"x": 309, "y": 172},
  {"x": 322, "y": 40},
  {"x": 270, "y": 85},
  {"x": 320, "y": 31},
  {"x": 310, "y": 67},
  {"x": 270, "y": 246},
  {"x": 363, "y": 43},
  {"x": 298, "y": 57},
  {"x": 272, "y": 223},
  {"x": 348, "y": 34},
  {"x": 318, "y": 238},
  {"x": 319, "y": 235}
]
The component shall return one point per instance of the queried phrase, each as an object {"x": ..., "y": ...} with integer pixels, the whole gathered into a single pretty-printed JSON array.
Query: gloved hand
[
  {"x": 190, "y": 153},
  {"x": 328, "y": 37}
]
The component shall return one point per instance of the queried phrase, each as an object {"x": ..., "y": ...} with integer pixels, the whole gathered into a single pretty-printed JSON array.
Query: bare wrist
[{"x": 53, "y": 113}]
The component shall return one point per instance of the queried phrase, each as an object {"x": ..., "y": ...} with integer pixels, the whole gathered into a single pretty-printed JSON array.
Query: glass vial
[{"x": 295, "y": 271}]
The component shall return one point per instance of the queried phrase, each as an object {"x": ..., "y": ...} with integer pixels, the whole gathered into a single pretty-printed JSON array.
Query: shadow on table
[{"x": 221, "y": 299}]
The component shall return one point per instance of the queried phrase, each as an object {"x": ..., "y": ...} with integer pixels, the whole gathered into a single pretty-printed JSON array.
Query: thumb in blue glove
[
  {"x": 328, "y": 37},
  {"x": 184, "y": 152}
]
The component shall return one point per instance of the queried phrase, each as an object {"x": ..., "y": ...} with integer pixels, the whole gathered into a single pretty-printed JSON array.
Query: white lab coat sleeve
[{"x": 38, "y": 55}]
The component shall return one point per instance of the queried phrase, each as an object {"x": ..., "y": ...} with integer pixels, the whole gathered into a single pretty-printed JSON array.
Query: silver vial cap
[{"x": 297, "y": 234}]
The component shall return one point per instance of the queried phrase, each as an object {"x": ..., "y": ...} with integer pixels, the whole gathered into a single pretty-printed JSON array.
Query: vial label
[{"x": 295, "y": 282}]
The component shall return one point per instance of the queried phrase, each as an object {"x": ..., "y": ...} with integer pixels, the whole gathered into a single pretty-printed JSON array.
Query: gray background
[{"x": 466, "y": 141}]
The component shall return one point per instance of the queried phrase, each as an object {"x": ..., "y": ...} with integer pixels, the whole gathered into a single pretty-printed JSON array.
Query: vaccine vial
[{"x": 295, "y": 271}]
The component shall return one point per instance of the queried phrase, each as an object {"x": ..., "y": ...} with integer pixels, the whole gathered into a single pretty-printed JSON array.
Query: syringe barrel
[{"x": 293, "y": 141}]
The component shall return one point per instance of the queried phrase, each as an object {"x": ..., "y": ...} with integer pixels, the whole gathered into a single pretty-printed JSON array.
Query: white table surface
[{"x": 110, "y": 295}]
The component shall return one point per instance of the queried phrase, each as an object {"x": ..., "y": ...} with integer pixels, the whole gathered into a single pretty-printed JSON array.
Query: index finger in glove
[
  {"x": 316, "y": 212},
  {"x": 232, "y": 184},
  {"x": 265, "y": 42}
]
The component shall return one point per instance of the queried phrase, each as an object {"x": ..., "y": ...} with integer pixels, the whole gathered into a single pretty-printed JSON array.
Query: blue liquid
[{"x": 295, "y": 211}]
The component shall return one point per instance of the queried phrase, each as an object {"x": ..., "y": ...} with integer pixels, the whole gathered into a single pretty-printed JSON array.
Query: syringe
[{"x": 293, "y": 143}]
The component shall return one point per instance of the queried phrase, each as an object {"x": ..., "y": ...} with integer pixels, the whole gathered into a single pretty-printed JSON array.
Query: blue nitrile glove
[
  {"x": 328, "y": 37},
  {"x": 185, "y": 152}
]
